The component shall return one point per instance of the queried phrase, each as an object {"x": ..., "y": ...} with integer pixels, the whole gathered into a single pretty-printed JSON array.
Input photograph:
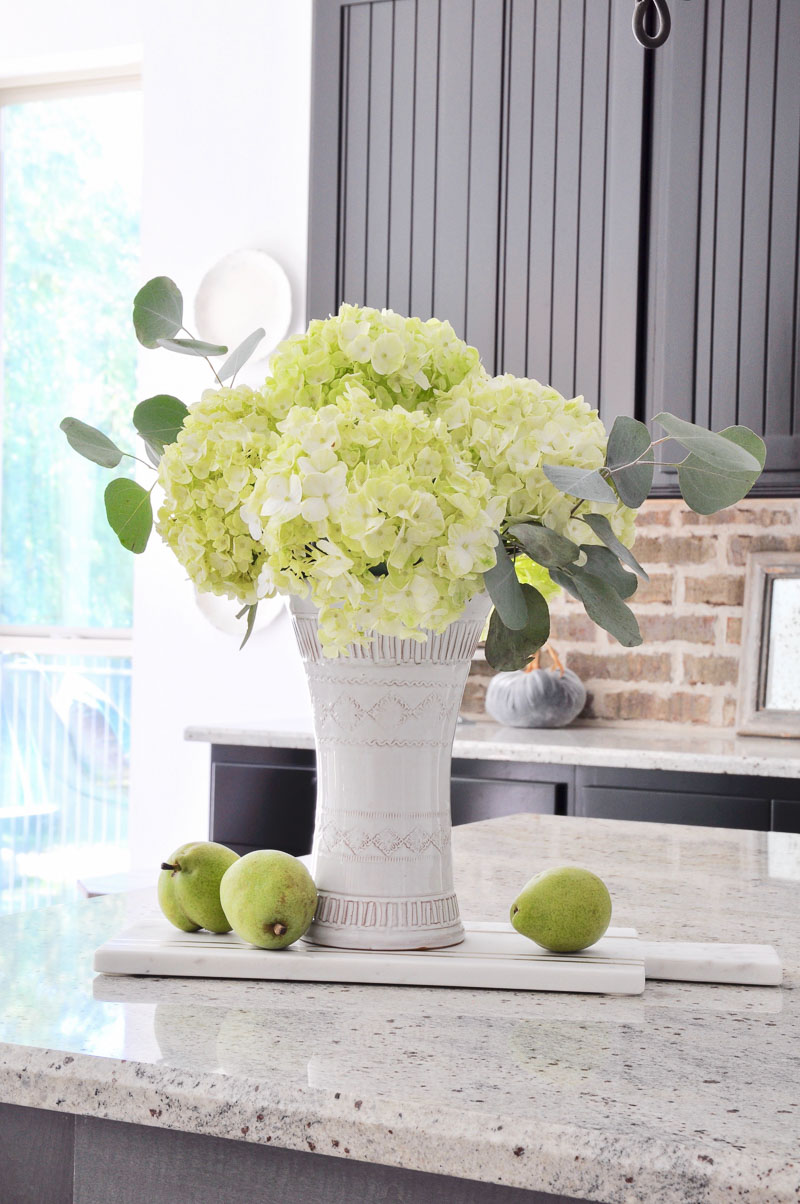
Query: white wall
[
  {"x": 47, "y": 35},
  {"x": 226, "y": 141},
  {"x": 226, "y": 115}
]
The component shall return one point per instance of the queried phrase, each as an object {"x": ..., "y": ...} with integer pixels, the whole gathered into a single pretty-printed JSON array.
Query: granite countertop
[
  {"x": 686, "y": 1093},
  {"x": 616, "y": 745}
]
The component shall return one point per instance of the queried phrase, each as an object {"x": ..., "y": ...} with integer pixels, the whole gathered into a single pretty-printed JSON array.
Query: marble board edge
[{"x": 493, "y": 957}]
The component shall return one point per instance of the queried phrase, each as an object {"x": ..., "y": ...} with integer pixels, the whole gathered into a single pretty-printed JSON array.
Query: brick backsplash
[{"x": 690, "y": 613}]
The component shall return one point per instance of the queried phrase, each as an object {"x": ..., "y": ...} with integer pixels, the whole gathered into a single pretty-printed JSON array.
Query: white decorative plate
[
  {"x": 244, "y": 290},
  {"x": 221, "y": 613}
]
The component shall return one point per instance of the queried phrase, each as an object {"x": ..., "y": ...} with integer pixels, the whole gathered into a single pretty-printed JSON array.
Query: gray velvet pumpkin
[{"x": 535, "y": 698}]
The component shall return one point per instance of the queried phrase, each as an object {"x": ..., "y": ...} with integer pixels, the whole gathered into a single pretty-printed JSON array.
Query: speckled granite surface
[
  {"x": 688, "y": 749},
  {"x": 688, "y": 1093}
]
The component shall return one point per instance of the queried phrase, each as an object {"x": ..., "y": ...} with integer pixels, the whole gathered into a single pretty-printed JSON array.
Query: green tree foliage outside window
[{"x": 70, "y": 205}]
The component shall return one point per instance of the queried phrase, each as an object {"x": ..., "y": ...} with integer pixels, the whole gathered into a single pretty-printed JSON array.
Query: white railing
[{"x": 64, "y": 752}]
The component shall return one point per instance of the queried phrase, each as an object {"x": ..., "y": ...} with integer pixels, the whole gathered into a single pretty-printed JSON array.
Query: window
[{"x": 69, "y": 246}]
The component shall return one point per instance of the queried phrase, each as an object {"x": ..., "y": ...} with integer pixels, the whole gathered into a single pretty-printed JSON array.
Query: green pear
[
  {"x": 269, "y": 898},
  {"x": 188, "y": 886},
  {"x": 169, "y": 904},
  {"x": 564, "y": 909}
]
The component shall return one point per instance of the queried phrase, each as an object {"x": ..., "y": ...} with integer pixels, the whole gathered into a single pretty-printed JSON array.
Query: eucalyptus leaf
[
  {"x": 711, "y": 448},
  {"x": 707, "y": 490},
  {"x": 241, "y": 354},
  {"x": 90, "y": 443},
  {"x": 157, "y": 311},
  {"x": 508, "y": 649},
  {"x": 159, "y": 419},
  {"x": 251, "y": 618},
  {"x": 602, "y": 604},
  {"x": 546, "y": 547},
  {"x": 564, "y": 578},
  {"x": 505, "y": 590},
  {"x": 129, "y": 512},
  {"x": 192, "y": 347},
  {"x": 603, "y": 563},
  {"x": 603, "y": 530},
  {"x": 586, "y": 483},
  {"x": 633, "y": 476},
  {"x": 153, "y": 453}
]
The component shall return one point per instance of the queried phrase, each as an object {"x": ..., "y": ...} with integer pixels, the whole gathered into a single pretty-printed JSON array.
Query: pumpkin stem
[
  {"x": 533, "y": 664},
  {"x": 555, "y": 658}
]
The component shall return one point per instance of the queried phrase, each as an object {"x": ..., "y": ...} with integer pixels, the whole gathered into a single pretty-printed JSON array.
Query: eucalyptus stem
[
  {"x": 205, "y": 357},
  {"x": 139, "y": 460},
  {"x": 640, "y": 459}
]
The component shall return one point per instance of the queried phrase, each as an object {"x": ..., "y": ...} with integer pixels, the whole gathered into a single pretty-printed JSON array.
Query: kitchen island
[{"x": 185, "y": 1089}]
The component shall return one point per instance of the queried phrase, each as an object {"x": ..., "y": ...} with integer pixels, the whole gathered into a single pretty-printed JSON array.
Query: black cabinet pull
[{"x": 641, "y": 11}]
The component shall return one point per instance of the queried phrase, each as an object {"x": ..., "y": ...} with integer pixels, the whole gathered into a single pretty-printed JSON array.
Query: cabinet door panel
[
  {"x": 570, "y": 199},
  {"x": 260, "y": 806},
  {"x": 481, "y": 162},
  {"x": 487, "y": 798},
  {"x": 721, "y": 342},
  {"x": 666, "y": 807}
]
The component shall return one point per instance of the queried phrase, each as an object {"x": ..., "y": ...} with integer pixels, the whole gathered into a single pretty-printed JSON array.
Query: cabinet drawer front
[
  {"x": 263, "y": 807},
  {"x": 488, "y": 798},
  {"x": 666, "y": 807}
]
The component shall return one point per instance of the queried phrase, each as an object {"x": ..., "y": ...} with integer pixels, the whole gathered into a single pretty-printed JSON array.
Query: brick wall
[{"x": 690, "y": 613}]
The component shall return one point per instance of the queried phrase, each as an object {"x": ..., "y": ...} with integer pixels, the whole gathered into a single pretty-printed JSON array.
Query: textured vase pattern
[{"x": 384, "y": 721}]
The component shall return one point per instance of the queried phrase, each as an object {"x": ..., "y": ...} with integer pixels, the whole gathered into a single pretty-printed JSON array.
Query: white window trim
[{"x": 19, "y": 91}]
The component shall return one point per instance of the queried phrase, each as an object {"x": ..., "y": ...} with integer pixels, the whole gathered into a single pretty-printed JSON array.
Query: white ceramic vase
[{"x": 384, "y": 721}]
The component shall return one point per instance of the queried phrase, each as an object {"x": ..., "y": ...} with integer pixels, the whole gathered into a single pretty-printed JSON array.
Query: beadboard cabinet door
[
  {"x": 480, "y": 160},
  {"x": 722, "y": 266},
  {"x": 614, "y": 221}
]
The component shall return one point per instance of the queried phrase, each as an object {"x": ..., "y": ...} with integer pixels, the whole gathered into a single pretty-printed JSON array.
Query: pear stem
[
  {"x": 165, "y": 865},
  {"x": 279, "y": 929}
]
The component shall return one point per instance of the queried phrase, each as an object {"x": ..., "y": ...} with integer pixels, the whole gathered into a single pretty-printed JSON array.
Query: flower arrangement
[{"x": 381, "y": 470}]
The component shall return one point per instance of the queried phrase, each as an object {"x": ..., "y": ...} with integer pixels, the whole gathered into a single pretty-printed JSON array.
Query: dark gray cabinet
[
  {"x": 786, "y": 814},
  {"x": 489, "y": 789},
  {"x": 265, "y": 797},
  {"x": 61, "y": 1158},
  {"x": 708, "y": 800},
  {"x": 615, "y": 221},
  {"x": 721, "y": 342},
  {"x": 481, "y": 162}
]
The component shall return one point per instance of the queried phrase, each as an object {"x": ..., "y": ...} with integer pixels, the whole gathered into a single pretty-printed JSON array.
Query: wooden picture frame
[{"x": 753, "y": 716}]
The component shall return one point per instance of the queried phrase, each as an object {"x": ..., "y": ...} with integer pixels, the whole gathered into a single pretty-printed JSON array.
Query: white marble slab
[
  {"x": 491, "y": 956},
  {"x": 685, "y": 749},
  {"x": 712, "y": 961}
]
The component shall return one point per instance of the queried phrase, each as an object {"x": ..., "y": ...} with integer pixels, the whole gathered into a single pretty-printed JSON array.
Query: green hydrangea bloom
[
  {"x": 376, "y": 514},
  {"x": 372, "y": 471},
  {"x": 509, "y": 427},
  {"x": 205, "y": 476},
  {"x": 400, "y": 361},
  {"x": 531, "y": 573}
]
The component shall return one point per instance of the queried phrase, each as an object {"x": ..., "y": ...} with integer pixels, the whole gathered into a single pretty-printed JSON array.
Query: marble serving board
[{"x": 491, "y": 955}]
